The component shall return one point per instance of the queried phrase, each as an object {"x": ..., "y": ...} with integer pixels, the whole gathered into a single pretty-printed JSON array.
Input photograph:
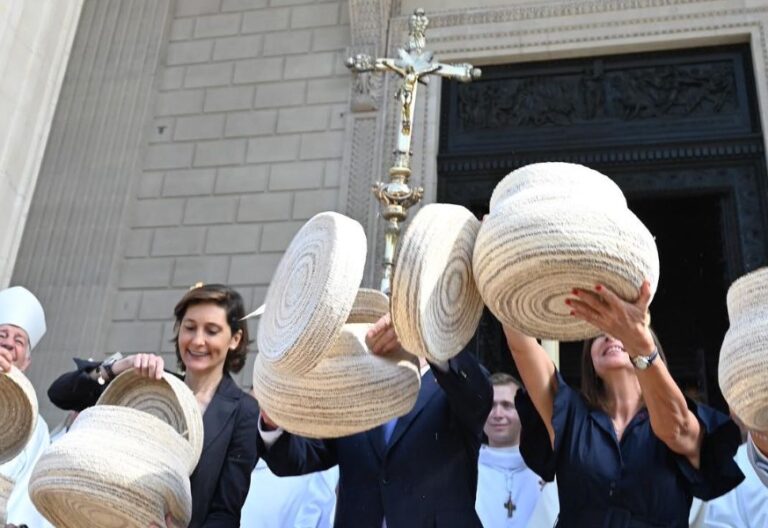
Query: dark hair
[
  {"x": 502, "y": 378},
  {"x": 592, "y": 387},
  {"x": 232, "y": 303}
]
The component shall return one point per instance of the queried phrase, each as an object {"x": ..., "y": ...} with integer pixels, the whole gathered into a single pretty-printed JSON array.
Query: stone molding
[{"x": 555, "y": 31}]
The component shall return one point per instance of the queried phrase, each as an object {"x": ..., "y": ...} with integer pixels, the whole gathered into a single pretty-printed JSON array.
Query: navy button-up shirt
[{"x": 632, "y": 483}]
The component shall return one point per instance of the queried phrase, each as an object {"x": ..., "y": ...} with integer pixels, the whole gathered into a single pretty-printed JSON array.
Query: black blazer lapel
[
  {"x": 429, "y": 388},
  {"x": 220, "y": 410}
]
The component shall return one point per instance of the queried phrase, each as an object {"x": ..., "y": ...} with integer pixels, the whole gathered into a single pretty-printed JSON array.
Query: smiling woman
[
  {"x": 211, "y": 341},
  {"x": 628, "y": 449}
]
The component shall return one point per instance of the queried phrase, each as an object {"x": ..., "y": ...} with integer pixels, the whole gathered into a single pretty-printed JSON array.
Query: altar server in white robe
[
  {"x": 306, "y": 501},
  {"x": 507, "y": 491},
  {"x": 22, "y": 325},
  {"x": 757, "y": 451},
  {"x": 745, "y": 506}
]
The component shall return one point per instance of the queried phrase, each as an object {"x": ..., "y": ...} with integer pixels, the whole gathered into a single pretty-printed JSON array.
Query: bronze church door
[{"x": 678, "y": 131}]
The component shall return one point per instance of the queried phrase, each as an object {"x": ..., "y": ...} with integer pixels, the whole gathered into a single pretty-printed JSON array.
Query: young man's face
[{"x": 503, "y": 424}]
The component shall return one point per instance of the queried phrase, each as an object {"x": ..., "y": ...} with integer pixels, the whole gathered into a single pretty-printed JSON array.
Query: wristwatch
[
  {"x": 643, "y": 362},
  {"x": 106, "y": 374}
]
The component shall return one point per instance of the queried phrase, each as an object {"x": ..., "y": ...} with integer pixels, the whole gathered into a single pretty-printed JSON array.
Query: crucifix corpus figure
[{"x": 413, "y": 66}]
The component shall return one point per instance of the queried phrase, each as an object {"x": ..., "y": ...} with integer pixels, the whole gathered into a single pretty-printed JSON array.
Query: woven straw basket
[
  {"x": 116, "y": 468},
  {"x": 6, "y": 487},
  {"x": 542, "y": 239},
  {"x": 435, "y": 304},
  {"x": 556, "y": 181},
  {"x": 18, "y": 413},
  {"x": 312, "y": 293},
  {"x": 743, "y": 364},
  {"x": 350, "y": 390},
  {"x": 168, "y": 399},
  {"x": 369, "y": 306}
]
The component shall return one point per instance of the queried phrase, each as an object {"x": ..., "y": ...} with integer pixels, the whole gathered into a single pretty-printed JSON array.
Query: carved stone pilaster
[{"x": 368, "y": 24}]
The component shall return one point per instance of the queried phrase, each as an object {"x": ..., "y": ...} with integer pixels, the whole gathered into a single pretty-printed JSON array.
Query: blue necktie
[{"x": 388, "y": 428}]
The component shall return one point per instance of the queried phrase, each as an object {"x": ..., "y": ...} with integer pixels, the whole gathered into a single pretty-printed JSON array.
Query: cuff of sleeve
[
  {"x": 718, "y": 472},
  {"x": 86, "y": 364},
  {"x": 269, "y": 437},
  {"x": 535, "y": 446}
]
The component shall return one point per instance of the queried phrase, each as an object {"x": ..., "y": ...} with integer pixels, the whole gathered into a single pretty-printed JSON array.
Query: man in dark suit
[{"x": 417, "y": 471}]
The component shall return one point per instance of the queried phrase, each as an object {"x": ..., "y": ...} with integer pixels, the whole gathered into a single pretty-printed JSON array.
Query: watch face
[{"x": 641, "y": 362}]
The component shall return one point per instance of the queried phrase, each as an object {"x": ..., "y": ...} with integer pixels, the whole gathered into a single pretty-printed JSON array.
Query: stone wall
[{"x": 245, "y": 145}]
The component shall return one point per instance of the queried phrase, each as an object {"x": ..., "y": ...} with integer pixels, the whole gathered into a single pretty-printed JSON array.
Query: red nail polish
[
  {"x": 568, "y": 302},
  {"x": 573, "y": 313},
  {"x": 575, "y": 291},
  {"x": 598, "y": 287}
]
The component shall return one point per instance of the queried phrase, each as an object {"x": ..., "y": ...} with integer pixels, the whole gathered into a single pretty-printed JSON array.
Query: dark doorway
[
  {"x": 678, "y": 131},
  {"x": 688, "y": 312}
]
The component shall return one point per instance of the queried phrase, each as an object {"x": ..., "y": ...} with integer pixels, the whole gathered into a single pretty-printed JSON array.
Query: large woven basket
[
  {"x": 743, "y": 363},
  {"x": 168, "y": 399},
  {"x": 349, "y": 391},
  {"x": 312, "y": 292},
  {"x": 540, "y": 241},
  {"x": 369, "y": 306},
  {"x": 435, "y": 304},
  {"x": 6, "y": 487},
  {"x": 116, "y": 468},
  {"x": 18, "y": 413}
]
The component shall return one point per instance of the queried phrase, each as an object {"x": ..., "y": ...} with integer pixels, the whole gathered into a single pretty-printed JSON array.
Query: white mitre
[{"x": 19, "y": 307}]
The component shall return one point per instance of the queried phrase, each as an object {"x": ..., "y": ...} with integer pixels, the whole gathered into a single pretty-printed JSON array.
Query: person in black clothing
[{"x": 211, "y": 342}]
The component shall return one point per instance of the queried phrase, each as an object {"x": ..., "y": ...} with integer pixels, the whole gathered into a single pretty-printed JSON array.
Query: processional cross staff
[{"x": 413, "y": 66}]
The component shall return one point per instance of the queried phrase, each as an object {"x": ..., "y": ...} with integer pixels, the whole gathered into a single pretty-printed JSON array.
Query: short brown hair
[
  {"x": 592, "y": 387},
  {"x": 232, "y": 302},
  {"x": 502, "y": 378}
]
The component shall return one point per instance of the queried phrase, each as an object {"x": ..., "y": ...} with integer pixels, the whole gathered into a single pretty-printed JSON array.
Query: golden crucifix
[{"x": 413, "y": 66}]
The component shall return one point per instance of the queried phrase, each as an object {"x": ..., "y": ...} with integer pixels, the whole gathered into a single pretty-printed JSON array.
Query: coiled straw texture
[
  {"x": 435, "y": 304},
  {"x": 349, "y": 391},
  {"x": 168, "y": 399},
  {"x": 743, "y": 363},
  {"x": 116, "y": 468},
  {"x": 542, "y": 239},
  {"x": 312, "y": 293},
  {"x": 18, "y": 413}
]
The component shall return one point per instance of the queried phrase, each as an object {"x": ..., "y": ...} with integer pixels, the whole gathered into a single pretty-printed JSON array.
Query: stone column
[
  {"x": 72, "y": 239},
  {"x": 35, "y": 41}
]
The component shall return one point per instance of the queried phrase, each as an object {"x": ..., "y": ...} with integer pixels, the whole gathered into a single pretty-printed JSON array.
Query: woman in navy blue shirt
[{"x": 629, "y": 450}]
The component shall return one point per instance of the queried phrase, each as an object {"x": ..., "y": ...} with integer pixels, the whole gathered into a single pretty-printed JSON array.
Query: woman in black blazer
[{"x": 211, "y": 342}]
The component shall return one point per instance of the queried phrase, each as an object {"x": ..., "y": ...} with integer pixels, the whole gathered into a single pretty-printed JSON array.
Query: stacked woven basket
[
  {"x": 18, "y": 418},
  {"x": 126, "y": 461},
  {"x": 554, "y": 227},
  {"x": 18, "y": 413},
  {"x": 743, "y": 363},
  {"x": 314, "y": 374}
]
